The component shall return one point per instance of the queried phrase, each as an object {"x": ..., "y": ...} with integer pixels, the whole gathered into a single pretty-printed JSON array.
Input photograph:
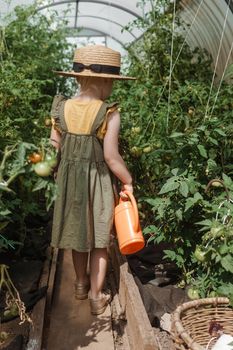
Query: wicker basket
[{"x": 191, "y": 322}]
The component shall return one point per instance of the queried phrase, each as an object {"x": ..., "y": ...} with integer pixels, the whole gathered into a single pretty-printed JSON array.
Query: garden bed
[
  {"x": 130, "y": 320},
  {"x": 31, "y": 276}
]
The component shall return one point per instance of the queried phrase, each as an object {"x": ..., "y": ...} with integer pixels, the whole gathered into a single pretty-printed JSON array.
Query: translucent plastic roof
[
  {"x": 211, "y": 28},
  {"x": 210, "y": 22},
  {"x": 95, "y": 18}
]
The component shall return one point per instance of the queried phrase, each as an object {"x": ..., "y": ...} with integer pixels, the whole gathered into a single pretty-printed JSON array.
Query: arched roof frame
[
  {"x": 107, "y": 18},
  {"x": 212, "y": 30},
  {"x": 98, "y": 32},
  {"x": 125, "y": 9}
]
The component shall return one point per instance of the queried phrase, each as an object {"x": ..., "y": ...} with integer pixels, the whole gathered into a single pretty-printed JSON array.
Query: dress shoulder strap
[
  {"x": 57, "y": 113},
  {"x": 101, "y": 115}
]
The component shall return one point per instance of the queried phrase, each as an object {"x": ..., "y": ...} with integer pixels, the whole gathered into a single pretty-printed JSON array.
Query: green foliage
[
  {"x": 29, "y": 52},
  {"x": 31, "y": 47},
  {"x": 23, "y": 194},
  {"x": 176, "y": 137}
]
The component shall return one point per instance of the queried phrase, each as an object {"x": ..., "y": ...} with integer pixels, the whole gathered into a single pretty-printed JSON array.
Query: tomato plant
[
  {"x": 189, "y": 146},
  {"x": 27, "y": 87},
  {"x": 28, "y": 84}
]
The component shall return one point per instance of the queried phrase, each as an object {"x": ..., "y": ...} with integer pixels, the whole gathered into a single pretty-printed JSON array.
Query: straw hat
[{"x": 96, "y": 61}]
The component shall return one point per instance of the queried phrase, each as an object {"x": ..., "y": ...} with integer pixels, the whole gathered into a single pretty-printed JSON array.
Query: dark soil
[
  {"x": 156, "y": 280},
  {"x": 25, "y": 268}
]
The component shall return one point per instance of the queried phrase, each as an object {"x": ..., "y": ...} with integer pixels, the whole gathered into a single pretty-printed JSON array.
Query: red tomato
[{"x": 35, "y": 157}]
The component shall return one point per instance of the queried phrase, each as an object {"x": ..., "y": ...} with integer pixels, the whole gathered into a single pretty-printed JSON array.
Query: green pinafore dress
[{"x": 83, "y": 211}]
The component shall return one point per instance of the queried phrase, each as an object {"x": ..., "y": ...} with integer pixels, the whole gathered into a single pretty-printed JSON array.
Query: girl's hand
[{"x": 126, "y": 187}]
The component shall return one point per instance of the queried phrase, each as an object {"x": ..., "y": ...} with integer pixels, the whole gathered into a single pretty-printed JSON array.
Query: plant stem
[{"x": 7, "y": 154}]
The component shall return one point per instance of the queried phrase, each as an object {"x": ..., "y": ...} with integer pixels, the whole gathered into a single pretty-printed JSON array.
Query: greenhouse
[{"x": 116, "y": 175}]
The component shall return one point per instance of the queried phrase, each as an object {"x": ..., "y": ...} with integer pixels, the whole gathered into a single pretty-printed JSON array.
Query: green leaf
[
  {"x": 172, "y": 179},
  {"x": 225, "y": 289},
  {"x": 197, "y": 196},
  {"x": 227, "y": 180},
  {"x": 21, "y": 152},
  {"x": 202, "y": 151},
  {"x": 220, "y": 132},
  {"x": 176, "y": 134},
  {"x": 183, "y": 189},
  {"x": 205, "y": 223},
  {"x": 175, "y": 171},
  {"x": 150, "y": 229},
  {"x": 170, "y": 254},
  {"x": 189, "y": 203},
  {"x": 40, "y": 184},
  {"x": 3, "y": 224},
  {"x": 5, "y": 212},
  {"x": 168, "y": 187},
  {"x": 227, "y": 263},
  {"x": 3, "y": 187},
  {"x": 150, "y": 239},
  {"x": 154, "y": 202},
  {"x": 179, "y": 214},
  {"x": 213, "y": 141}
]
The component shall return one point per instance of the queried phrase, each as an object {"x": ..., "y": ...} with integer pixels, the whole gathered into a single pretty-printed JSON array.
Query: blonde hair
[
  {"x": 98, "y": 83},
  {"x": 85, "y": 82}
]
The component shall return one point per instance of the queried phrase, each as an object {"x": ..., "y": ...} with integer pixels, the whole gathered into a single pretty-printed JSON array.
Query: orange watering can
[{"x": 127, "y": 225}]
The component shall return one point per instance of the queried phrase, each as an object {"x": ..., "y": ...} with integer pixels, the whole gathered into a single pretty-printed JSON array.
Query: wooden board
[
  {"x": 138, "y": 328},
  {"x": 38, "y": 313}
]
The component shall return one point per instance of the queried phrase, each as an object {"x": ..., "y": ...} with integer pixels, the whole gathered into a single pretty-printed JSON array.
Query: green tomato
[
  {"x": 147, "y": 149},
  {"x": 216, "y": 184},
  {"x": 13, "y": 311},
  {"x": 191, "y": 110},
  {"x": 43, "y": 169},
  {"x": 215, "y": 231},
  {"x": 212, "y": 294},
  {"x": 137, "y": 129},
  {"x": 51, "y": 160},
  {"x": 199, "y": 254},
  {"x": 48, "y": 121},
  {"x": 7, "y": 313},
  {"x": 135, "y": 151},
  {"x": 193, "y": 293},
  {"x": 3, "y": 336}
]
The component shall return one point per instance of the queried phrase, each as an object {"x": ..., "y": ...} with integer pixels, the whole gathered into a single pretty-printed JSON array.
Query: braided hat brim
[{"x": 88, "y": 73}]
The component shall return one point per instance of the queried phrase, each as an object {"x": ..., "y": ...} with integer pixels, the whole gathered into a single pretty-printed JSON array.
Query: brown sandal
[
  {"x": 99, "y": 305},
  {"x": 81, "y": 290}
]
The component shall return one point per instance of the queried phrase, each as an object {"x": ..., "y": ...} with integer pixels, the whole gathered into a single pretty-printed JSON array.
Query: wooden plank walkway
[{"x": 72, "y": 326}]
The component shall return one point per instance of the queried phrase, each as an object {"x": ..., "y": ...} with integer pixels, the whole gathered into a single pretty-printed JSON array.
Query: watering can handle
[{"x": 135, "y": 209}]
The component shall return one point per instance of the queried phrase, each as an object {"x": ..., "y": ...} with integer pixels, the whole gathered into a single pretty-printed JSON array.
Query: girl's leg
[
  {"x": 98, "y": 268},
  {"x": 80, "y": 266}
]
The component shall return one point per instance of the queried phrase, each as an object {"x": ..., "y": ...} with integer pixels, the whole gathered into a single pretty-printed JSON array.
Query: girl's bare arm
[
  {"x": 111, "y": 153},
  {"x": 55, "y": 138}
]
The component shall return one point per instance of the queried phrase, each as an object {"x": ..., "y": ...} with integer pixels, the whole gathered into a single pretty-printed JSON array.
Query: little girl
[{"x": 85, "y": 129}]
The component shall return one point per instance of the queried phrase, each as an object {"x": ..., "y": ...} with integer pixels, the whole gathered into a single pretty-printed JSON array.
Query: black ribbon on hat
[{"x": 96, "y": 68}]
